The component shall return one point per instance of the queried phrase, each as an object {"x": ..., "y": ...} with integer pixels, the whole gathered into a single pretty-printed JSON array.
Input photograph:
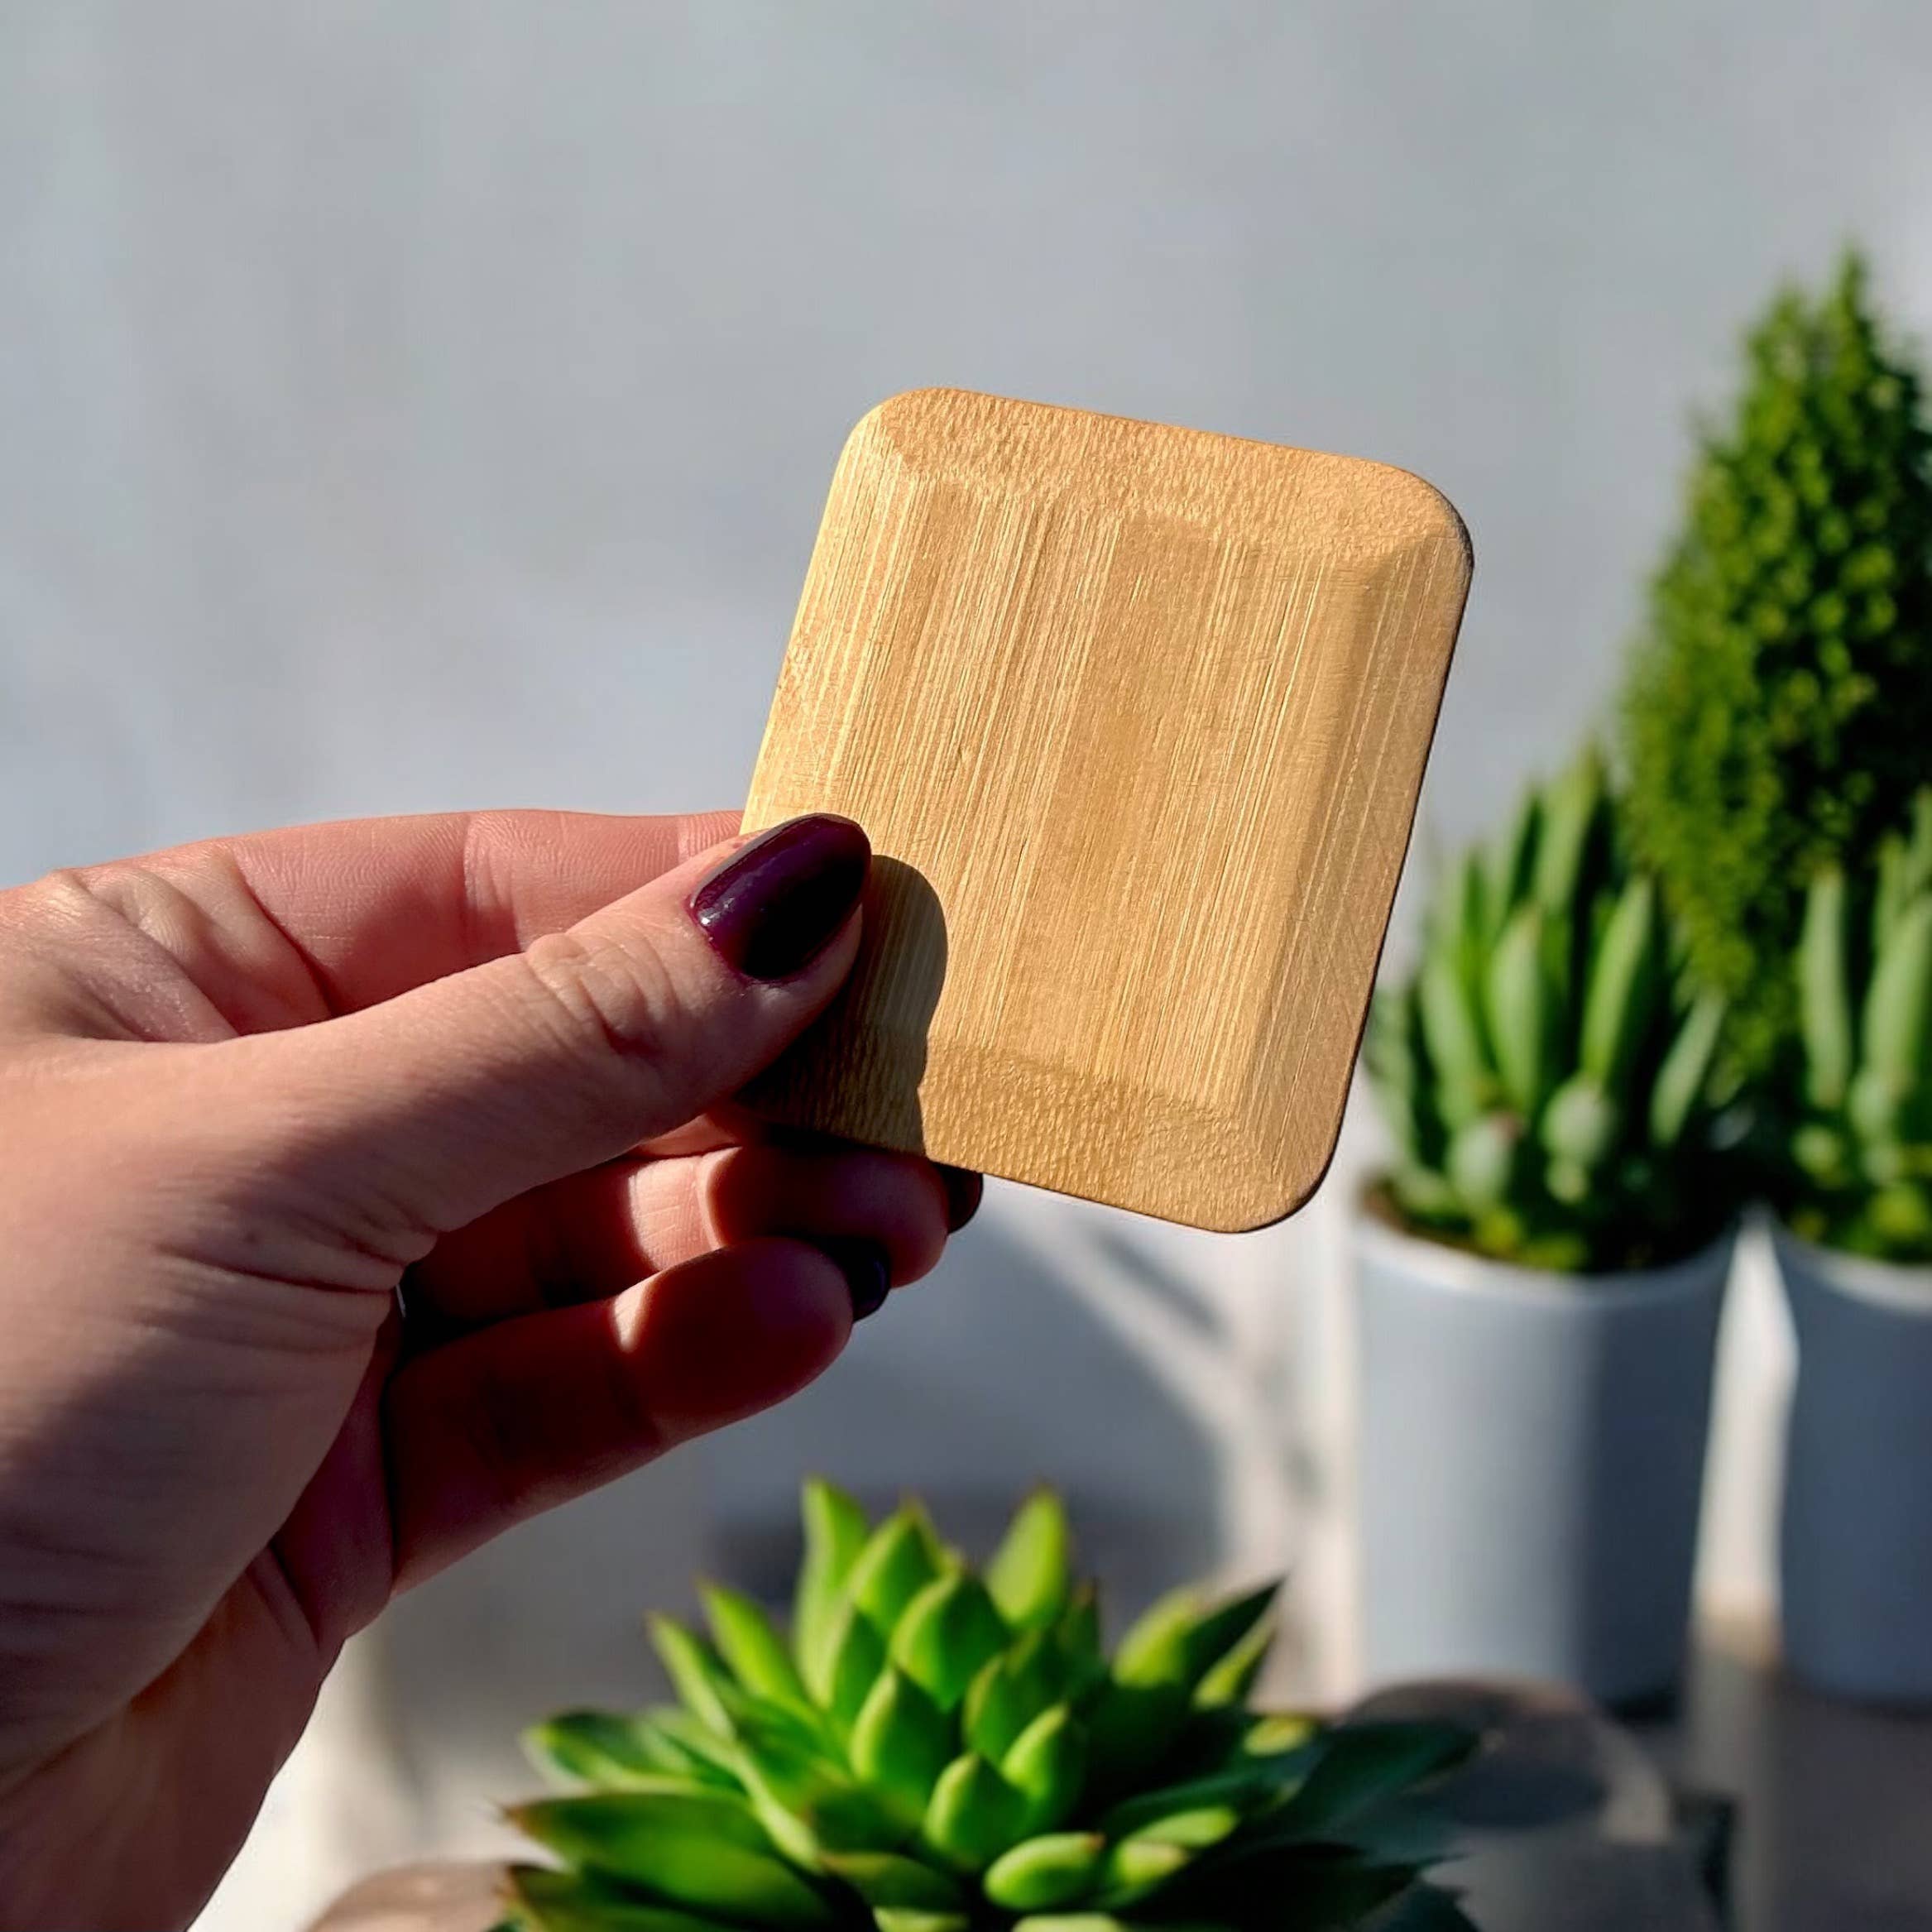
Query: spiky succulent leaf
[
  {"x": 1363, "y": 1765},
  {"x": 746, "y": 1640},
  {"x": 899, "y": 1559},
  {"x": 1278, "y": 1734},
  {"x": 804, "y": 1798},
  {"x": 1195, "y": 1830},
  {"x": 1858, "y": 1159},
  {"x": 1508, "y": 866},
  {"x": 1012, "y": 1690},
  {"x": 1030, "y": 1574},
  {"x": 1181, "y": 1638},
  {"x": 688, "y": 1861},
  {"x": 890, "y": 1881},
  {"x": 1135, "y": 1869},
  {"x": 579, "y": 1826},
  {"x": 1896, "y": 1036},
  {"x": 1229, "y": 1679},
  {"x": 835, "y": 1532},
  {"x": 600, "y": 1747},
  {"x": 1531, "y": 1117},
  {"x": 901, "y": 1741},
  {"x": 689, "y": 1747},
  {"x": 907, "y": 1919},
  {"x": 1453, "y": 1036},
  {"x": 1043, "y": 1873},
  {"x": 1153, "y": 1648},
  {"x": 1572, "y": 808},
  {"x": 1076, "y": 1643},
  {"x": 1048, "y": 1766},
  {"x": 1225, "y": 1625},
  {"x": 1519, "y": 998},
  {"x": 1625, "y": 979},
  {"x": 974, "y": 1814},
  {"x": 1582, "y": 1125},
  {"x": 1825, "y": 994},
  {"x": 1686, "y": 1071},
  {"x": 547, "y": 1901},
  {"x": 696, "y": 1674},
  {"x": 851, "y": 1656},
  {"x": 1072, "y": 1922},
  {"x": 901, "y": 1918},
  {"x": 946, "y": 1635},
  {"x": 1242, "y": 1792}
]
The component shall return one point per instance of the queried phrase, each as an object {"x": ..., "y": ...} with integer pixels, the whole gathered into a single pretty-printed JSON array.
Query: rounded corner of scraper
[
  {"x": 1265, "y": 1199},
  {"x": 888, "y": 418},
  {"x": 1269, "y": 1196},
  {"x": 1436, "y": 519},
  {"x": 1267, "y": 1210}
]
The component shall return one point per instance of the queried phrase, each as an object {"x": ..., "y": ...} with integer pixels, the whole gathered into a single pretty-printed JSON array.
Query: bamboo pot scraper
[{"x": 1135, "y": 717}]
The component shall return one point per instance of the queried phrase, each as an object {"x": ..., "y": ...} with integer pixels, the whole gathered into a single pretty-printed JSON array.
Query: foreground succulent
[
  {"x": 1860, "y": 1168},
  {"x": 936, "y": 1750},
  {"x": 1548, "y": 1074}
]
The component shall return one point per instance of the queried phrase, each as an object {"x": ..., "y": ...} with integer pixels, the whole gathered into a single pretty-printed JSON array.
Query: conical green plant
[
  {"x": 1858, "y": 1172},
  {"x": 1548, "y": 1074},
  {"x": 1781, "y": 703},
  {"x": 934, "y": 1749}
]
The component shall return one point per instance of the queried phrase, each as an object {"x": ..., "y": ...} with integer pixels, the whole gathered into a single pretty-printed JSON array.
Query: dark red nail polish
[
  {"x": 964, "y": 1189},
  {"x": 776, "y": 903},
  {"x": 868, "y": 1274}
]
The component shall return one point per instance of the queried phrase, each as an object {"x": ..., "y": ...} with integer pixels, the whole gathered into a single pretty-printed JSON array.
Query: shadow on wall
[
  {"x": 548, "y": 1617},
  {"x": 970, "y": 1388},
  {"x": 994, "y": 1375}
]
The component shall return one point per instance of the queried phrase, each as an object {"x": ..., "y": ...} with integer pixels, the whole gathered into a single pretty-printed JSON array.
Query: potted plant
[
  {"x": 931, "y": 1749},
  {"x": 1780, "y": 705},
  {"x": 1855, "y": 1252},
  {"x": 1540, "y": 1273}
]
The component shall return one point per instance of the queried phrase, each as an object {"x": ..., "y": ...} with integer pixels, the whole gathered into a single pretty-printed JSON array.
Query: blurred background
[{"x": 417, "y": 404}]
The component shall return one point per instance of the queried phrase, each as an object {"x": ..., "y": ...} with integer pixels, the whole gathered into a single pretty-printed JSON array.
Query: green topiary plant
[
  {"x": 936, "y": 1750},
  {"x": 1860, "y": 1171},
  {"x": 1780, "y": 706},
  {"x": 1546, "y": 1073}
]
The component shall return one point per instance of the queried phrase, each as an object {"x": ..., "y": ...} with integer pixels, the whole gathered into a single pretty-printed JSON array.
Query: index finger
[{"x": 376, "y": 906}]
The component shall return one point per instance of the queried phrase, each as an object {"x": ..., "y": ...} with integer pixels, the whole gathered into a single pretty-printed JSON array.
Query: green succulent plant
[
  {"x": 1549, "y": 1077},
  {"x": 1860, "y": 1171},
  {"x": 1781, "y": 703},
  {"x": 935, "y": 1749}
]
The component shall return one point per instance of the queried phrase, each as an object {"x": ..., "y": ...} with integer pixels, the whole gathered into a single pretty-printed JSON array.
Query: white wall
[{"x": 406, "y": 404}]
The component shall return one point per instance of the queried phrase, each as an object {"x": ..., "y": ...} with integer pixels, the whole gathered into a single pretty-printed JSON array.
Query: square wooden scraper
[{"x": 1136, "y": 718}]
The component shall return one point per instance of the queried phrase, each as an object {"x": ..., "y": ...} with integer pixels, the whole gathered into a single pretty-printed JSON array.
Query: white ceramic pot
[
  {"x": 1855, "y": 1548},
  {"x": 1531, "y": 1463}
]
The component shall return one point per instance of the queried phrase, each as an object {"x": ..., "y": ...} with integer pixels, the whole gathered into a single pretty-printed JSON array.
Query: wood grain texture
[{"x": 1136, "y": 718}]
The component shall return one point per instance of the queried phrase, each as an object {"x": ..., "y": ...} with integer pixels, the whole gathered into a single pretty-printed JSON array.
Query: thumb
[{"x": 443, "y": 1102}]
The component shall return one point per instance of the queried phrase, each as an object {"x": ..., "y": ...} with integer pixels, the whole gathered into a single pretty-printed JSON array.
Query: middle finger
[{"x": 594, "y": 1233}]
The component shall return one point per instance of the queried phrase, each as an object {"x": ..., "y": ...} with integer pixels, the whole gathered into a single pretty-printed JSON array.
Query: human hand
[{"x": 248, "y": 1088}]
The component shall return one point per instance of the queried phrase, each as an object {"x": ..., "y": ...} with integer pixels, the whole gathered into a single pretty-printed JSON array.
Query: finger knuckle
[
  {"x": 610, "y": 1000},
  {"x": 502, "y": 1430},
  {"x": 631, "y": 1424}
]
